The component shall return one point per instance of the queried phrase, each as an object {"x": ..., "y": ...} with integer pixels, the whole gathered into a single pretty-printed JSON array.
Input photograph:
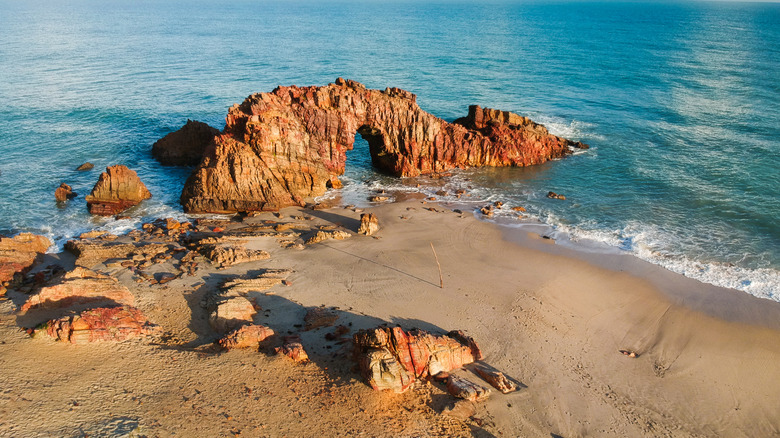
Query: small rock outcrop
[
  {"x": 282, "y": 147},
  {"x": 466, "y": 389},
  {"x": 101, "y": 324},
  {"x": 86, "y": 166},
  {"x": 184, "y": 147},
  {"x": 64, "y": 192},
  {"x": 18, "y": 254},
  {"x": 248, "y": 336},
  {"x": 369, "y": 224},
  {"x": 392, "y": 359},
  {"x": 80, "y": 286},
  {"x": 117, "y": 189},
  {"x": 293, "y": 348}
]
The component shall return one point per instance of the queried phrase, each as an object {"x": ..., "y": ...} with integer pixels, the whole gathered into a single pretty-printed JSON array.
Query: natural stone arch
[{"x": 283, "y": 147}]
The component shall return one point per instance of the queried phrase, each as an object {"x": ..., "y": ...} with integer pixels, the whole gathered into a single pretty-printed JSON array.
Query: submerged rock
[
  {"x": 289, "y": 145},
  {"x": 117, "y": 189}
]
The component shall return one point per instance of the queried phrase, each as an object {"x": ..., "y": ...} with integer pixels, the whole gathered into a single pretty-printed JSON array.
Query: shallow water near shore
[{"x": 679, "y": 103}]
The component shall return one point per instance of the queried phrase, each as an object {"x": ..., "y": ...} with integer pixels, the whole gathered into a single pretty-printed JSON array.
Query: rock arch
[{"x": 282, "y": 147}]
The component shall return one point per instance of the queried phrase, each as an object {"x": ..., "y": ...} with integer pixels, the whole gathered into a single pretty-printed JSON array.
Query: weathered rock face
[
  {"x": 17, "y": 255},
  {"x": 101, "y": 324},
  {"x": 281, "y": 147},
  {"x": 64, "y": 192},
  {"x": 80, "y": 286},
  {"x": 392, "y": 359},
  {"x": 117, "y": 189},
  {"x": 248, "y": 336},
  {"x": 369, "y": 224},
  {"x": 184, "y": 147}
]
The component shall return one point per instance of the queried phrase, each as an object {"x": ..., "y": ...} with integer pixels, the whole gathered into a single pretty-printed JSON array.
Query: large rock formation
[
  {"x": 117, "y": 189},
  {"x": 282, "y": 147},
  {"x": 184, "y": 147},
  {"x": 80, "y": 286}
]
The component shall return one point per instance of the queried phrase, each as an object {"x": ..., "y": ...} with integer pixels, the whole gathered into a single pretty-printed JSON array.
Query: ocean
[{"x": 680, "y": 103}]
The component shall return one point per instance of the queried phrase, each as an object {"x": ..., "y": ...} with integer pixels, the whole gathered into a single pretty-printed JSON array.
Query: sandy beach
[{"x": 552, "y": 319}]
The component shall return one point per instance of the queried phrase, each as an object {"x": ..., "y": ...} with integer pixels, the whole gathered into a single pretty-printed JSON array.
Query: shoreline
[{"x": 549, "y": 318}]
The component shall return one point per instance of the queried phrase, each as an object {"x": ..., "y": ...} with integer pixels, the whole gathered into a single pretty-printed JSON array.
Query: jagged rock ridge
[{"x": 279, "y": 148}]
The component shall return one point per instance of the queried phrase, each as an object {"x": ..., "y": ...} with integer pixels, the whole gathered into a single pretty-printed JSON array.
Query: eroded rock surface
[
  {"x": 248, "y": 336},
  {"x": 282, "y": 147},
  {"x": 392, "y": 359},
  {"x": 80, "y": 286},
  {"x": 18, "y": 254},
  {"x": 101, "y": 324},
  {"x": 369, "y": 224},
  {"x": 117, "y": 189}
]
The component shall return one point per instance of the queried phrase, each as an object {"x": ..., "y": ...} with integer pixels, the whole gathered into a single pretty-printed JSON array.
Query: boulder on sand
[
  {"x": 392, "y": 359},
  {"x": 369, "y": 224},
  {"x": 101, "y": 324}
]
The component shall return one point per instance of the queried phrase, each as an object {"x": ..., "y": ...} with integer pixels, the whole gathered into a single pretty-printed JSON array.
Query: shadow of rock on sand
[{"x": 347, "y": 222}]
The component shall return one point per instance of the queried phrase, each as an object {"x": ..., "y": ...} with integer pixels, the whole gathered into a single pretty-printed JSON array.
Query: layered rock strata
[
  {"x": 101, "y": 324},
  {"x": 18, "y": 254},
  {"x": 393, "y": 359},
  {"x": 282, "y": 147}
]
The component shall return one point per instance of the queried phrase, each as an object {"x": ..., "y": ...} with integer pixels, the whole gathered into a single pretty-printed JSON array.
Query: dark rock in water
[
  {"x": 289, "y": 144},
  {"x": 117, "y": 189},
  {"x": 64, "y": 192},
  {"x": 553, "y": 195},
  {"x": 184, "y": 147},
  {"x": 85, "y": 166}
]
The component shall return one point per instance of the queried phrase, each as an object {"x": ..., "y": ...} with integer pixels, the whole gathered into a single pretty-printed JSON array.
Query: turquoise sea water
[{"x": 679, "y": 101}]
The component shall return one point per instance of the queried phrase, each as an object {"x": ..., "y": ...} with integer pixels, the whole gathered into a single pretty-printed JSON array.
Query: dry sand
[{"x": 550, "y": 318}]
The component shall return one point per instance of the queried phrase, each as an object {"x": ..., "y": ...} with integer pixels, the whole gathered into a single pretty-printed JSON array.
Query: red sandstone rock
[
  {"x": 64, "y": 192},
  {"x": 80, "y": 286},
  {"x": 101, "y": 324},
  {"x": 248, "y": 336},
  {"x": 282, "y": 147},
  {"x": 293, "y": 348},
  {"x": 392, "y": 359},
  {"x": 369, "y": 224},
  {"x": 117, "y": 189},
  {"x": 184, "y": 147},
  {"x": 18, "y": 254}
]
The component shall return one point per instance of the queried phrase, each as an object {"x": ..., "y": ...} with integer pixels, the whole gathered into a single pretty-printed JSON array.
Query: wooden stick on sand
[{"x": 441, "y": 279}]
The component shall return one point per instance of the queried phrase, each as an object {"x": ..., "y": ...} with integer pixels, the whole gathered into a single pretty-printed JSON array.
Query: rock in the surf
[{"x": 117, "y": 189}]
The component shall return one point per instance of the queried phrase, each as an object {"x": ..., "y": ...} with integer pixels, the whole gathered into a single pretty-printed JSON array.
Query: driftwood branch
[{"x": 441, "y": 279}]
